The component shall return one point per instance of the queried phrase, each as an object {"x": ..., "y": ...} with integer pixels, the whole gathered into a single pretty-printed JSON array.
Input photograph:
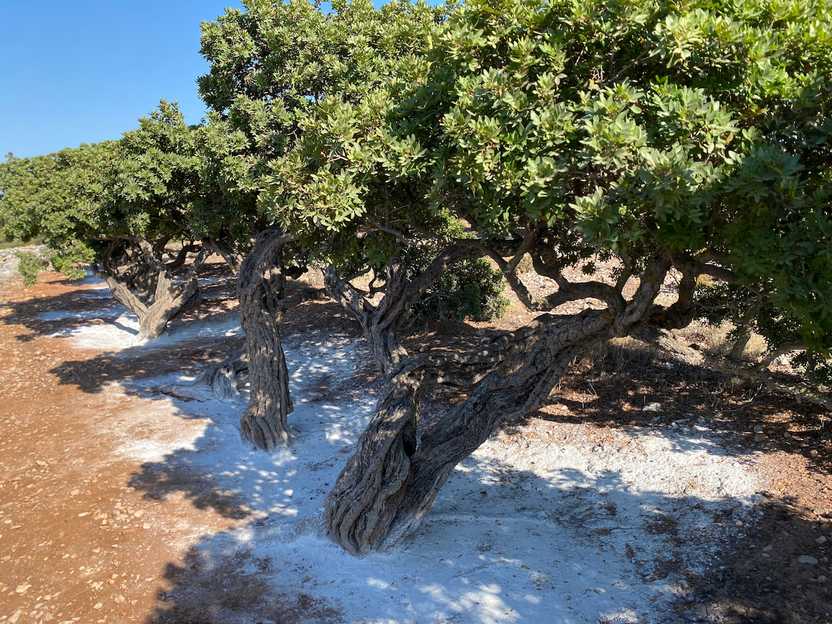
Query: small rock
[
  {"x": 807, "y": 560},
  {"x": 22, "y": 589},
  {"x": 821, "y": 540},
  {"x": 652, "y": 407},
  {"x": 821, "y": 579}
]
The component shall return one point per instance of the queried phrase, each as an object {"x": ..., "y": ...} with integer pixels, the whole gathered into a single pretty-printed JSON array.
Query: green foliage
[
  {"x": 58, "y": 198},
  {"x": 754, "y": 310},
  {"x": 638, "y": 128},
  {"x": 818, "y": 368},
  {"x": 307, "y": 88},
  {"x": 469, "y": 289},
  {"x": 617, "y": 129},
  {"x": 20, "y": 192},
  {"x": 163, "y": 182},
  {"x": 29, "y": 265},
  {"x": 625, "y": 129}
]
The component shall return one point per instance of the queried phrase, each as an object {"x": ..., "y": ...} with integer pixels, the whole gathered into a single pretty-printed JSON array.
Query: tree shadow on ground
[
  {"x": 90, "y": 302},
  {"x": 613, "y": 390},
  {"x": 776, "y": 574},
  {"x": 577, "y": 556},
  {"x": 262, "y": 483}
]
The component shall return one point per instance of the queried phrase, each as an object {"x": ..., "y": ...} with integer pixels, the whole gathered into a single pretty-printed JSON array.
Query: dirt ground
[
  {"x": 78, "y": 543},
  {"x": 82, "y": 541}
]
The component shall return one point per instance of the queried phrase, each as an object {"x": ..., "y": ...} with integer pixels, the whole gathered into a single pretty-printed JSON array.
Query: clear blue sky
[{"x": 77, "y": 71}]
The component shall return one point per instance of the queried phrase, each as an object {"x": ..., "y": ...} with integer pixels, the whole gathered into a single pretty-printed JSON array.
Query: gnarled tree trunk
[
  {"x": 226, "y": 379},
  {"x": 260, "y": 290},
  {"x": 167, "y": 301},
  {"x": 401, "y": 461},
  {"x": 381, "y": 323}
]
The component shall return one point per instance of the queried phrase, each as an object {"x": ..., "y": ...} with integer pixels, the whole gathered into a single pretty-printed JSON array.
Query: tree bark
[
  {"x": 381, "y": 323},
  {"x": 741, "y": 342},
  {"x": 226, "y": 379},
  {"x": 260, "y": 290},
  {"x": 167, "y": 301},
  {"x": 401, "y": 460}
]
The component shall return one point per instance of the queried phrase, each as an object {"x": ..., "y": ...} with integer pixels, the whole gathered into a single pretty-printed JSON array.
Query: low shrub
[{"x": 29, "y": 266}]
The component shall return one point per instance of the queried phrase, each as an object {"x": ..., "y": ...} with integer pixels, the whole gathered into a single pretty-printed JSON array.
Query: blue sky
[{"x": 76, "y": 71}]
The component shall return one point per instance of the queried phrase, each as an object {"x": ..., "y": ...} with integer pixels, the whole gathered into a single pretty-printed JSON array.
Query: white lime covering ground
[
  {"x": 534, "y": 527},
  {"x": 119, "y": 329}
]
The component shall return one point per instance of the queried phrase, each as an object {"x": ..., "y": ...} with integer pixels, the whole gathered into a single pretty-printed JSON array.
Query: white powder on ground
[
  {"x": 65, "y": 315},
  {"x": 531, "y": 528},
  {"x": 121, "y": 332},
  {"x": 119, "y": 329}
]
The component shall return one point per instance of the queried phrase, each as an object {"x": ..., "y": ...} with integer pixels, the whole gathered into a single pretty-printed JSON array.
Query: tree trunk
[
  {"x": 379, "y": 324},
  {"x": 166, "y": 301},
  {"x": 260, "y": 289},
  {"x": 226, "y": 379},
  {"x": 741, "y": 342},
  {"x": 402, "y": 460}
]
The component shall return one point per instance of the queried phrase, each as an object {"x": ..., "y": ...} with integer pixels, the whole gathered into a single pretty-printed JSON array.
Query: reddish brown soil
[{"x": 79, "y": 543}]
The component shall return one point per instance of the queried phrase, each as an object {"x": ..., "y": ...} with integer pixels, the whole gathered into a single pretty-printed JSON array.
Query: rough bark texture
[
  {"x": 260, "y": 289},
  {"x": 401, "y": 462},
  {"x": 403, "y": 459},
  {"x": 166, "y": 302},
  {"x": 381, "y": 323},
  {"x": 378, "y": 323},
  {"x": 740, "y": 343},
  {"x": 227, "y": 379}
]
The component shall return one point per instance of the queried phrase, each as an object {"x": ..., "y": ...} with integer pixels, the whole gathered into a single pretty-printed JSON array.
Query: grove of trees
[{"x": 433, "y": 149}]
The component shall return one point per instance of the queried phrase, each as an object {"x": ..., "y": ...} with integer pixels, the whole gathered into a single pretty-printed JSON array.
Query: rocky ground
[
  {"x": 9, "y": 260},
  {"x": 651, "y": 489}
]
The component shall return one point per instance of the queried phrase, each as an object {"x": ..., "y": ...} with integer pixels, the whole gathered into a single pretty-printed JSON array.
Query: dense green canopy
[{"x": 699, "y": 131}]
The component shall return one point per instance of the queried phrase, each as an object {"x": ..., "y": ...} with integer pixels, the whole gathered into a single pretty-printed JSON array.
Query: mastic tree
[
  {"x": 155, "y": 183},
  {"x": 278, "y": 72},
  {"x": 676, "y": 140},
  {"x": 56, "y": 198},
  {"x": 19, "y": 190},
  {"x": 336, "y": 188},
  {"x": 127, "y": 207}
]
